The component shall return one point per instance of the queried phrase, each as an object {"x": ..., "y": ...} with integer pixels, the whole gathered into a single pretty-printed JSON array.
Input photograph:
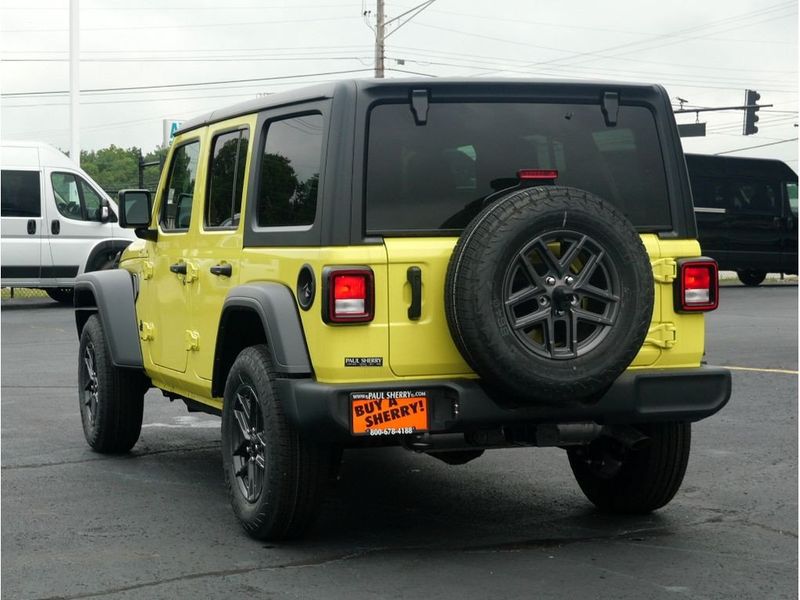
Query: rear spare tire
[{"x": 549, "y": 294}]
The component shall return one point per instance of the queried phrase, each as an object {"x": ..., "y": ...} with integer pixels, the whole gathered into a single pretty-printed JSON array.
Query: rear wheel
[
  {"x": 111, "y": 399},
  {"x": 275, "y": 477},
  {"x": 62, "y": 295},
  {"x": 633, "y": 480},
  {"x": 751, "y": 277}
]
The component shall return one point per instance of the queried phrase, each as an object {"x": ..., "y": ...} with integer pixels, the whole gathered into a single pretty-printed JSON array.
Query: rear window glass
[{"x": 435, "y": 176}]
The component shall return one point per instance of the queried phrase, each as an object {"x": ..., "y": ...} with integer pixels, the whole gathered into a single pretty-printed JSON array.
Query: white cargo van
[{"x": 56, "y": 221}]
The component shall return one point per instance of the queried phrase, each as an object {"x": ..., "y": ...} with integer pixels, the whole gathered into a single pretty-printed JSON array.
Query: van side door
[
  {"x": 755, "y": 223},
  {"x": 21, "y": 235},
  {"x": 73, "y": 225}
]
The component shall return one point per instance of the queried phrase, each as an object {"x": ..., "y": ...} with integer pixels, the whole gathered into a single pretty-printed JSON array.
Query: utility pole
[
  {"x": 380, "y": 35},
  {"x": 74, "y": 82}
]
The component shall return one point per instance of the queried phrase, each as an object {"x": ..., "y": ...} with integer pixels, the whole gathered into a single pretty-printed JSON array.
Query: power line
[
  {"x": 649, "y": 35},
  {"x": 178, "y": 85},
  {"x": 758, "y": 146},
  {"x": 184, "y": 26}
]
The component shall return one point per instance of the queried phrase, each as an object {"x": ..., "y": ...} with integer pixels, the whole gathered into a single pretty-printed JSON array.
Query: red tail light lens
[
  {"x": 350, "y": 294},
  {"x": 697, "y": 287}
]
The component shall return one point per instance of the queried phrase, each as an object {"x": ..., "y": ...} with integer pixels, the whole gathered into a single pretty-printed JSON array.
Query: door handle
[
  {"x": 31, "y": 226},
  {"x": 55, "y": 227},
  {"x": 223, "y": 270},
  {"x": 178, "y": 268},
  {"x": 414, "y": 276}
]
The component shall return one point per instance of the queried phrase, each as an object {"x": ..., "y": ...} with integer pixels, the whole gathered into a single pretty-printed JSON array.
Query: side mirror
[
  {"x": 135, "y": 207},
  {"x": 105, "y": 212}
]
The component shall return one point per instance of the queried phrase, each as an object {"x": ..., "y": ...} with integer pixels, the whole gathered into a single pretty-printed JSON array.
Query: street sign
[
  {"x": 171, "y": 126},
  {"x": 692, "y": 129}
]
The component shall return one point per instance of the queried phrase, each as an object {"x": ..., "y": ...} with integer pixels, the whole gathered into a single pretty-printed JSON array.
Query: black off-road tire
[
  {"x": 285, "y": 501},
  {"x": 475, "y": 301},
  {"x": 62, "y": 295},
  {"x": 638, "y": 480},
  {"x": 751, "y": 277},
  {"x": 111, "y": 399}
]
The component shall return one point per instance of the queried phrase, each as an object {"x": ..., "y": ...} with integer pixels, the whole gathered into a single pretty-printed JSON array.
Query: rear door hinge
[
  {"x": 665, "y": 270},
  {"x": 146, "y": 331},
  {"x": 663, "y": 335},
  {"x": 192, "y": 340}
]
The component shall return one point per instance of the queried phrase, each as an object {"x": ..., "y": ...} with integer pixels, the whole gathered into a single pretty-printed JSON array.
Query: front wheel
[
  {"x": 635, "y": 480},
  {"x": 751, "y": 277},
  {"x": 111, "y": 399},
  {"x": 275, "y": 477}
]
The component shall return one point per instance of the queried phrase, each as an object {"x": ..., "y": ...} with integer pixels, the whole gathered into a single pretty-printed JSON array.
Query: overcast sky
[{"x": 707, "y": 52}]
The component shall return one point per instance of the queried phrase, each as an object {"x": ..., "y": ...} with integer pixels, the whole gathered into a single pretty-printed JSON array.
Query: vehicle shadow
[{"x": 395, "y": 499}]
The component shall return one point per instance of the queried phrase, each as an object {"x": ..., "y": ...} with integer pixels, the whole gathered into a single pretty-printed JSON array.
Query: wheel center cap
[{"x": 562, "y": 297}]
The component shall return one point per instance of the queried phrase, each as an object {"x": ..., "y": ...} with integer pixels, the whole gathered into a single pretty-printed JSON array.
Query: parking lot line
[{"x": 784, "y": 371}]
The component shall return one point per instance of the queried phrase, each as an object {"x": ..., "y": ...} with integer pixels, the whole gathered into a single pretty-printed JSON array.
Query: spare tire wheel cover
[{"x": 549, "y": 294}]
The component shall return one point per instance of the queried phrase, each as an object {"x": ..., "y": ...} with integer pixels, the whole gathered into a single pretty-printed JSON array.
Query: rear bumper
[{"x": 322, "y": 411}]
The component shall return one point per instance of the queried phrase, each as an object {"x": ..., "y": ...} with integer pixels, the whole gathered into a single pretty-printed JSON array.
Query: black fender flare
[
  {"x": 106, "y": 246},
  {"x": 276, "y": 308},
  {"x": 111, "y": 295}
]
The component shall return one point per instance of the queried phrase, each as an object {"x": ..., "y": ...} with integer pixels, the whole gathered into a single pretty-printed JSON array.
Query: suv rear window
[{"x": 434, "y": 177}]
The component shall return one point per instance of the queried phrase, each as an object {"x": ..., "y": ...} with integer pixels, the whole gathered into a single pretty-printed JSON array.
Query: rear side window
[
  {"x": 176, "y": 205},
  {"x": 435, "y": 176},
  {"x": 290, "y": 166},
  {"x": 20, "y": 194},
  {"x": 75, "y": 198},
  {"x": 752, "y": 196},
  {"x": 224, "y": 200}
]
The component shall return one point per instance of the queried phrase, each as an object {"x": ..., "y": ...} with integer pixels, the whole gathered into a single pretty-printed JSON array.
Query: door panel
[
  {"x": 22, "y": 221},
  {"x": 72, "y": 226},
  {"x": 169, "y": 290},
  {"x": 217, "y": 246}
]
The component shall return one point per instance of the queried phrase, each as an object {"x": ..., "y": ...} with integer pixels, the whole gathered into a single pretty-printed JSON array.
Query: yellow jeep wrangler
[{"x": 452, "y": 266}]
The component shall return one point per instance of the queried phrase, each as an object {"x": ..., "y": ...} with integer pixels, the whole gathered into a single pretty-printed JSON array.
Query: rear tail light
[
  {"x": 697, "y": 287},
  {"x": 349, "y": 294}
]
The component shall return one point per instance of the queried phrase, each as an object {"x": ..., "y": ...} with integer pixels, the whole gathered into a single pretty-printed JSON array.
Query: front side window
[
  {"x": 75, "y": 198},
  {"x": 226, "y": 179},
  {"x": 791, "y": 192},
  {"x": 178, "y": 198},
  {"x": 435, "y": 176},
  {"x": 290, "y": 166},
  {"x": 20, "y": 194}
]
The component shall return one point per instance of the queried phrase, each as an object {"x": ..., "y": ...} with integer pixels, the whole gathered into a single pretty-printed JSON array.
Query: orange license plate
[{"x": 396, "y": 412}]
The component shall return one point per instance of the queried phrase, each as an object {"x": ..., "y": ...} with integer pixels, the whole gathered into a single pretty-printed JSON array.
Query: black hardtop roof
[{"x": 328, "y": 90}]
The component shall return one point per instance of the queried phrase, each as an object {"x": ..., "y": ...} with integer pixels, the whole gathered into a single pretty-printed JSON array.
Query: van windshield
[{"x": 434, "y": 177}]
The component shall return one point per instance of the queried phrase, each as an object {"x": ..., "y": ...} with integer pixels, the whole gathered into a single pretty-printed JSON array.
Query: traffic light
[{"x": 750, "y": 117}]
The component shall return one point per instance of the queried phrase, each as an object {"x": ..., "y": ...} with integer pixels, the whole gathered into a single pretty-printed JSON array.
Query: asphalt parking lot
[{"x": 512, "y": 524}]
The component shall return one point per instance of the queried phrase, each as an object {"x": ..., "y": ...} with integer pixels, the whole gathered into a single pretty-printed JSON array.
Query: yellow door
[
  {"x": 167, "y": 292},
  {"x": 217, "y": 245}
]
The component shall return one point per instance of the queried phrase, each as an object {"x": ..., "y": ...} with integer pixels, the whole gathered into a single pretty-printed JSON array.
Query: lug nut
[
  {"x": 550, "y": 280},
  {"x": 569, "y": 280}
]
